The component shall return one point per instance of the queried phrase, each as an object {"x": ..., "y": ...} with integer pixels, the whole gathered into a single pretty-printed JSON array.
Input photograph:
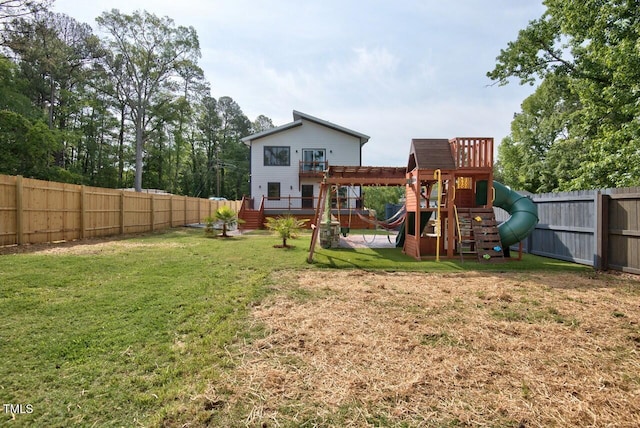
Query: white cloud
[{"x": 394, "y": 71}]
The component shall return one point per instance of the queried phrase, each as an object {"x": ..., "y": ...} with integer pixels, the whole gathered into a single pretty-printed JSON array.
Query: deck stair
[
  {"x": 479, "y": 234},
  {"x": 253, "y": 219}
]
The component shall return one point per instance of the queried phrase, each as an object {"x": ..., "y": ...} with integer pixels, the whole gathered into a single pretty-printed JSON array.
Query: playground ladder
[
  {"x": 485, "y": 232},
  {"x": 466, "y": 242}
]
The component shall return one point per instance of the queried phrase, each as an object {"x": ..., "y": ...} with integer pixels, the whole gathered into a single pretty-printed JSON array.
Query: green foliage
[
  {"x": 13, "y": 90},
  {"x": 376, "y": 198},
  {"x": 151, "y": 49},
  {"x": 579, "y": 129},
  {"x": 86, "y": 91},
  {"x": 26, "y": 148},
  {"x": 141, "y": 327},
  {"x": 223, "y": 217},
  {"x": 227, "y": 217},
  {"x": 287, "y": 227},
  {"x": 209, "y": 226}
]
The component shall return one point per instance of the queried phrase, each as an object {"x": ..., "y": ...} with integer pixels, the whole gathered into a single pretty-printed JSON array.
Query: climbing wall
[
  {"x": 479, "y": 234},
  {"x": 485, "y": 233}
]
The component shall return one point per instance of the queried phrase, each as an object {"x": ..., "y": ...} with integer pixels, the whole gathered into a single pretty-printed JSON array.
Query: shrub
[
  {"x": 226, "y": 216},
  {"x": 286, "y": 227}
]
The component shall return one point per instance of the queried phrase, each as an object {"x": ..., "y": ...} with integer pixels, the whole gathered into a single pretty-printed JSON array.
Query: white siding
[{"x": 340, "y": 148}]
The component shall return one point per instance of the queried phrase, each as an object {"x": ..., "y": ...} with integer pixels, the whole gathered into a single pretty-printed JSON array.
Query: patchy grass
[
  {"x": 178, "y": 330},
  {"x": 126, "y": 332},
  {"x": 469, "y": 352}
]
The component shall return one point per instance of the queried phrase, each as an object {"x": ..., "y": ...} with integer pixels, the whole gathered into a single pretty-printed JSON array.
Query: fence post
[
  {"x": 186, "y": 202},
  {"x": 601, "y": 261},
  {"x": 171, "y": 212},
  {"x": 529, "y": 238},
  {"x": 83, "y": 212},
  {"x": 152, "y": 205},
  {"x": 19, "y": 212},
  {"x": 122, "y": 212}
]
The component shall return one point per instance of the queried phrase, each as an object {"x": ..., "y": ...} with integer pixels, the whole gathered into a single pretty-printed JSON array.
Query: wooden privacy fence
[
  {"x": 36, "y": 211},
  {"x": 599, "y": 228}
]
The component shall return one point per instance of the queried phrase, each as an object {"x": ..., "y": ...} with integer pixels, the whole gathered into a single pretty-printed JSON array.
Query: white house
[{"x": 287, "y": 162}]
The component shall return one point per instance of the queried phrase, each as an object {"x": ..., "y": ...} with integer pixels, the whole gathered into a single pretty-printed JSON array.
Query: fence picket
[
  {"x": 34, "y": 211},
  {"x": 599, "y": 228}
]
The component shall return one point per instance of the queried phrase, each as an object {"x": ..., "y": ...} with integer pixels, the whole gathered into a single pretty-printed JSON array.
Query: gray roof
[
  {"x": 298, "y": 117},
  {"x": 247, "y": 140}
]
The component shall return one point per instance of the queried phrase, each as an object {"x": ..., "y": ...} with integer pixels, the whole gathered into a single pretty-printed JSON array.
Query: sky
[{"x": 393, "y": 70}]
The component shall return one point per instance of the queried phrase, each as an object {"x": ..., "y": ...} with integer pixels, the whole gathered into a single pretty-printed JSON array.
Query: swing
[
  {"x": 375, "y": 233},
  {"x": 346, "y": 230},
  {"x": 338, "y": 208},
  {"x": 389, "y": 224}
]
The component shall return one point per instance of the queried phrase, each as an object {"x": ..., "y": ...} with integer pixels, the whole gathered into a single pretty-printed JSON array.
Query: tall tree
[
  {"x": 262, "y": 123},
  {"x": 13, "y": 9},
  {"x": 233, "y": 164},
  {"x": 591, "y": 47},
  {"x": 528, "y": 158},
  {"x": 206, "y": 155},
  {"x": 150, "y": 50},
  {"x": 194, "y": 89},
  {"x": 13, "y": 89},
  {"x": 54, "y": 51},
  {"x": 26, "y": 147}
]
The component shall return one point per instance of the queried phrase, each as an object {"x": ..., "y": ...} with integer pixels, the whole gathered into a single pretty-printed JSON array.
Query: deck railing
[
  {"x": 312, "y": 168},
  {"x": 472, "y": 152},
  {"x": 298, "y": 203}
]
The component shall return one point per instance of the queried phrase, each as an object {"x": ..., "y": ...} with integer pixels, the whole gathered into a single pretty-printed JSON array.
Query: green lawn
[{"x": 131, "y": 332}]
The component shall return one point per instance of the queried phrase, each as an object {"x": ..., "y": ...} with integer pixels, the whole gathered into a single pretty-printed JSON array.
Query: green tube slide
[{"x": 523, "y": 211}]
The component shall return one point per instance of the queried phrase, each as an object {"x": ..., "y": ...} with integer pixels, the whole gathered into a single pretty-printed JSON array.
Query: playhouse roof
[{"x": 430, "y": 153}]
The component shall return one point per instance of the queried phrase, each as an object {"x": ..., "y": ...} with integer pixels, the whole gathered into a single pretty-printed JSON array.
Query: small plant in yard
[
  {"x": 286, "y": 227},
  {"x": 209, "y": 230},
  {"x": 226, "y": 216}
]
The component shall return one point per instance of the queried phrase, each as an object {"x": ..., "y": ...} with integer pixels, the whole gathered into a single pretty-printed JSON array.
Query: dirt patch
[
  {"x": 371, "y": 240},
  {"x": 84, "y": 247},
  {"x": 521, "y": 349}
]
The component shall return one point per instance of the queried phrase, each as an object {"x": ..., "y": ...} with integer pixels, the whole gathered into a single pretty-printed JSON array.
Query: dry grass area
[{"x": 355, "y": 348}]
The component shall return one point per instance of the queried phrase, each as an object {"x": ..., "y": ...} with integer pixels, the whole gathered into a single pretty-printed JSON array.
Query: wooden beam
[
  {"x": 418, "y": 217},
  {"x": 83, "y": 212},
  {"x": 451, "y": 238},
  {"x": 19, "y": 211},
  {"x": 122, "y": 212},
  {"x": 316, "y": 229},
  {"x": 346, "y": 181},
  {"x": 601, "y": 261}
]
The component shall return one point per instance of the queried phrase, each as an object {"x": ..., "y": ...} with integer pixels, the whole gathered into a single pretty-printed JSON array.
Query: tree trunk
[
  {"x": 121, "y": 147},
  {"x": 137, "y": 184}
]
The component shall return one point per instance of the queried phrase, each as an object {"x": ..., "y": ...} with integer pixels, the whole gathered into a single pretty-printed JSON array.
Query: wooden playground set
[{"x": 450, "y": 195}]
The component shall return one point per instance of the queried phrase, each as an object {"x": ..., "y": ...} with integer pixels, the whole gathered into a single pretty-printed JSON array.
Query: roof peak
[{"x": 298, "y": 115}]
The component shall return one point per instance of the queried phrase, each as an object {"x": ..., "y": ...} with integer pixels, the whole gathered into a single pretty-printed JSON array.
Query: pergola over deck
[
  {"x": 353, "y": 176},
  {"x": 365, "y": 176}
]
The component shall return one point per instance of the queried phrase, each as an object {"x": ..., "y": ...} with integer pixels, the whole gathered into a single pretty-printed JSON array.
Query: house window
[
  {"x": 277, "y": 156},
  {"x": 273, "y": 191},
  {"x": 313, "y": 160}
]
